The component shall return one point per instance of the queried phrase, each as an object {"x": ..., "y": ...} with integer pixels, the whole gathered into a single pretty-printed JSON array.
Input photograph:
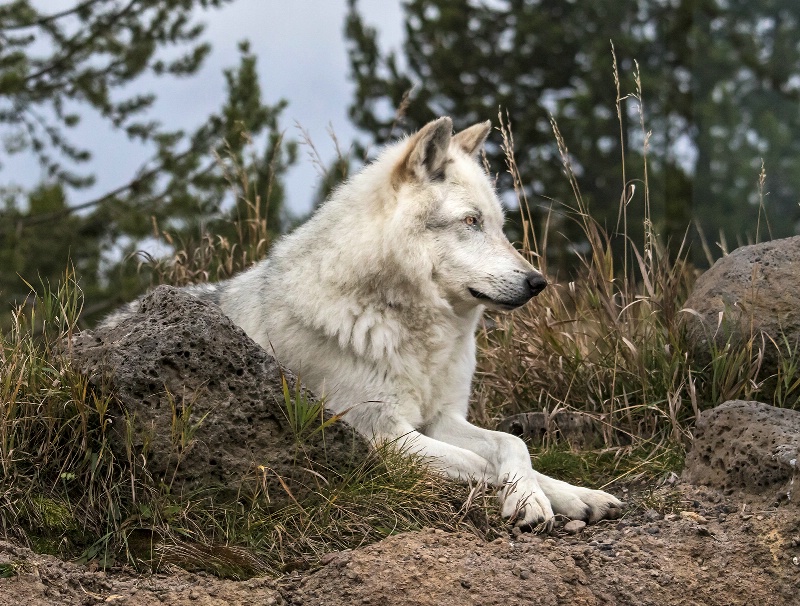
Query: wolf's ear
[
  {"x": 426, "y": 152},
  {"x": 471, "y": 139}
]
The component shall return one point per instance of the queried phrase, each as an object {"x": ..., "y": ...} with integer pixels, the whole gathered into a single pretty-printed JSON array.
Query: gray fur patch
[
  {"x": 119, "y": 315},
  {"x": 206, "y": 292}
]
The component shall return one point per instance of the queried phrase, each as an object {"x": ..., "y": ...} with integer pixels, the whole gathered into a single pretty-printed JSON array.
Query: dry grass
[
  {"x": 211, "y": 257},
  {"x": 57, "y": 470},
  {"x": 606, "y": 342}
]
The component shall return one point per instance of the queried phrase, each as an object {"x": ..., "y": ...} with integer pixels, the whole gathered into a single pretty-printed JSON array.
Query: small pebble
[
  {"x": 651, "y": 515},
  {"x": 328, "y": 558},
  {"x": 574, "y": 526}
]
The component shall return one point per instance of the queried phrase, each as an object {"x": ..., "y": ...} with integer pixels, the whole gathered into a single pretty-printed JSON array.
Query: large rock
[
  {"x": 747, "y": 445},
  {"x": 758, "y": 290},
  {"x": 180, "y": 354},
  {"x": 577, "y": 429}
]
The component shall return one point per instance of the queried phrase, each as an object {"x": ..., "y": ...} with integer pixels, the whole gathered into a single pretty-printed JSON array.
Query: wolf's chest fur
[{"x": 419, "y": 364}]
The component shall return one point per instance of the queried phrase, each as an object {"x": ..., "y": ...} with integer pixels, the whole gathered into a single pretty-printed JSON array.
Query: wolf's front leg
[
  {"x": 578, "y": 503},
  {"x": 529, "y": 497},
  {"x": 524, "y": 501},
  {"x": 459, "y": 457}
]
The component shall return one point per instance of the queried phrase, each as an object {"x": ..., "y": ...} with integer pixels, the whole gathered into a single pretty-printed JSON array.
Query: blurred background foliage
[
  {"x": 85, "y": 58},
  {"x": 720, "y": 83},
  {"x": 721, "y": 92}
]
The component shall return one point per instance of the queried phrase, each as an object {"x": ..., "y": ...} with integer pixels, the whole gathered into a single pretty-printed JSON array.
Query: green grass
[
  {"x": 609, "y": 468},
  {"x": 9, "y": 570}
]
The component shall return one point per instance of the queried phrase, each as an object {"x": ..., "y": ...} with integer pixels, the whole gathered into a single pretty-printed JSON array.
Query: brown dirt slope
[{"x": 707, "y": 550}]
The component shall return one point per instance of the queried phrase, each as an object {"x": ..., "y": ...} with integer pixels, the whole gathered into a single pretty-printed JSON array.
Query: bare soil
[{"x": 708, "y": 549}]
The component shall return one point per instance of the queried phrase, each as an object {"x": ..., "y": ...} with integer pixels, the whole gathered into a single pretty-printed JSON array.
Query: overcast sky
[{"x": 301, "y": 57}]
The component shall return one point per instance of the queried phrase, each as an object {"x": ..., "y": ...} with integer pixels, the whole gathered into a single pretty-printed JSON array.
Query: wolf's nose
[{"x": 537, "y": 282}]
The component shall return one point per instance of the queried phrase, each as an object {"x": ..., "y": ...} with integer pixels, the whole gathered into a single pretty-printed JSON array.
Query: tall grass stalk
[{"x": 205, "y": 256}]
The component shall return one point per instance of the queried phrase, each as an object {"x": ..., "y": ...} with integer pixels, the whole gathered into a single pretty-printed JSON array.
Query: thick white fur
[{"x": 369, "y": 302}]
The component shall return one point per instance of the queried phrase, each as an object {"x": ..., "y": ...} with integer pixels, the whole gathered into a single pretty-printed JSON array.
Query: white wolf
[{"x": 374, "y": 302}]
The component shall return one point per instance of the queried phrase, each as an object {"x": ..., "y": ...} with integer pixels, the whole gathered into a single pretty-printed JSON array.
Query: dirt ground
[{"x": 708, "y": 549}]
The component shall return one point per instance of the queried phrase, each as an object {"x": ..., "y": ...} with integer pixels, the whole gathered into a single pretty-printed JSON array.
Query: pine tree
[{"x": 54, "y": 65}]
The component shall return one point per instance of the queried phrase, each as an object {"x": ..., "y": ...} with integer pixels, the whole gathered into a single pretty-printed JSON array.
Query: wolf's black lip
[
  {"x": 478, "y": 294},
  {"x": 506, "y": 305}
]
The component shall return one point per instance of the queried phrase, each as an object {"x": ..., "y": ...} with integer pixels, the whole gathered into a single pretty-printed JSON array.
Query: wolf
[{"x": 375, "y": 302}]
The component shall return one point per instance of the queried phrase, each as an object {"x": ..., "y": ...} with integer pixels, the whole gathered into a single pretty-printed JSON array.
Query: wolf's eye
[{"x": 472, "y": 221}]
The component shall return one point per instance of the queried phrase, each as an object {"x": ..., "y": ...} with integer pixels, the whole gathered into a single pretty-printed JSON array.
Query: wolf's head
[{"x": 447, "y": 202}]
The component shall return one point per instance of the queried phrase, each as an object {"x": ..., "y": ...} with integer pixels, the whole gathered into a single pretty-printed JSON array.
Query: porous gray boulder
[
  {"x": 757, "y": 288},
  {"x": 750, "y": 446},
  {"x": 579, "y": 430},
  {"x": 205, "y": 403}
]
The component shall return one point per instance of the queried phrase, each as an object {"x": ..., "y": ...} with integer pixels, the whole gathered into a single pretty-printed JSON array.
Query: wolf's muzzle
[{"x": 534, "y": 284}]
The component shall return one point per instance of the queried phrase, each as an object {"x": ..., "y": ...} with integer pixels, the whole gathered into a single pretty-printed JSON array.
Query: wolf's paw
[
  {"x": 525, "y": 504},
  {"x": 578, "y": 503}
]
